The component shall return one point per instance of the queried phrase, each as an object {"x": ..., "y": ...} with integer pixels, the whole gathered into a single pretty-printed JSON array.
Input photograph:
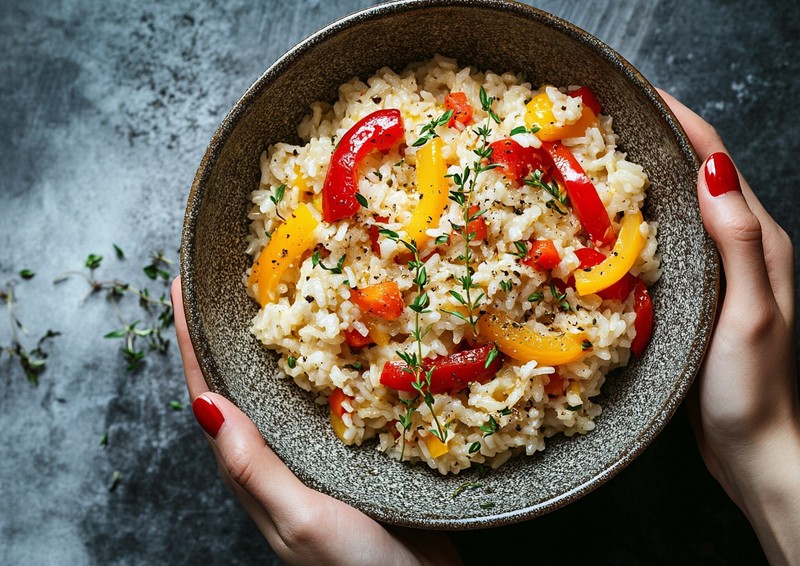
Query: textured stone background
[{"x": 105, "y": 110}]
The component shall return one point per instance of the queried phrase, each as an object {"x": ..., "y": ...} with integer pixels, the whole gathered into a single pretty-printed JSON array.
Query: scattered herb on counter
[
  {"x": 115, "y": 479},
  {"x": 156, "y": 313},
  {"x": 31, "y": 361},
  {"x": 176, "y": 405}
]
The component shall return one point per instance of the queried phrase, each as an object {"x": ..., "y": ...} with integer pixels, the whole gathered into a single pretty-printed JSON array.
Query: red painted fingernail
[
  {"x": 721, "y": 176},
  {"x": 208, "y": 416}
]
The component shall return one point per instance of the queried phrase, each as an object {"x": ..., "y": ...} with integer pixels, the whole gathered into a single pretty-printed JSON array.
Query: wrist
[{"x": 763, "y": 479}]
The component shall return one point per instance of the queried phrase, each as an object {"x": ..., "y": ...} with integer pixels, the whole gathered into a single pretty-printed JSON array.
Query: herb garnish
[
  {"x": 535, "y": 180},
  {"x": 465, "y": 486},
  {"x": 560, "y": 298},
  {"x": 462, "y": 195},
  {"x": 362, "y": 200},
  {"x": 422, "y": 376},
  {"x": 522, "y": 250},
  {"x": 428, "y": 131},
  {"x": 277, "y": 198},
  {"x": 316, "y": 260}
]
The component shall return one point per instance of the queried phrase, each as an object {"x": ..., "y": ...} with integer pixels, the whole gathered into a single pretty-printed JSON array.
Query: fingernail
[
  {"x": 208, "y": 416},
  {"x": 721, "y": 176}
]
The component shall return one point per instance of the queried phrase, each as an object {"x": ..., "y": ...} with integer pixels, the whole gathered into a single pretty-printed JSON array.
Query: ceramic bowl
[{"x": 488, "y": 34}]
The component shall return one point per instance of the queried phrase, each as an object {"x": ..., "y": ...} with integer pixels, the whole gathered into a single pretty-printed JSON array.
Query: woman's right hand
[{"x": 748, "y": 419}]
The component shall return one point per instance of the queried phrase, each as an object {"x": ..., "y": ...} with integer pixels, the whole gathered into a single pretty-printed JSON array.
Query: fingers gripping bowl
[{"x": 637, "y": 401}]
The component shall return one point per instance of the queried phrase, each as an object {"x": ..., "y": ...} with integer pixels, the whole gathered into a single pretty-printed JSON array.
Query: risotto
[{"x": 453, "y": 261}]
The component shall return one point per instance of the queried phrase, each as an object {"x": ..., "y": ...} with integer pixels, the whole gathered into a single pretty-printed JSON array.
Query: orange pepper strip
[
  {"x": 383, "y": 300},
  {"x": 627, "y": 248},
  {"x": 284, "y": 251},
  {"x": 525, "y": 345},
  {"x": 539, "y": 112},
  {"x": 433, "y": 192}
]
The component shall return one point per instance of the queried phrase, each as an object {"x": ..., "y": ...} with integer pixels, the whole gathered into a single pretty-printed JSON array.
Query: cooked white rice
[{"x": 313, "y": 311}]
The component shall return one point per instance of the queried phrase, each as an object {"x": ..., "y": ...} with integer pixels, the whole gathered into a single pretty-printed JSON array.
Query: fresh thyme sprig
[
  {"x": 316, "y": 260},
  {"x": 551, "y": 188},
  {"x": 277, "y": 198},
  {"x": 157, "y": 310},
  {"x": 486, "y": 105},
  {"x": 560, "y": 298},
  {"x": 31, "y": 361},
  {"x": 428, "y": 131},
  {"x": 422, "y": 376},
  {"x": 465, "y": 184}
]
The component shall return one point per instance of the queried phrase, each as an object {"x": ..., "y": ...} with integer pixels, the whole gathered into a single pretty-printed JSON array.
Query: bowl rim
[{"x": 241, "y": 108}]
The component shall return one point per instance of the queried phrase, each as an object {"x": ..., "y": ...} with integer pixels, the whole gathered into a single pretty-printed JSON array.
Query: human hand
[
  {"x": 746, "y": 419},
  {"x": 301, "y": 525}
]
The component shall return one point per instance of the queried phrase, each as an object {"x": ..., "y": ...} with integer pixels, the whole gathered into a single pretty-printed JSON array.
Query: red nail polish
[
  {"x": 208, "y": 416},
  {"x": 721, "y": 176}
]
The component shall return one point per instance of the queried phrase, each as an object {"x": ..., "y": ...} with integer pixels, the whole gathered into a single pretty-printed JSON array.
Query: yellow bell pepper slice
[
  {"x": 339, "y": 427},
  {"x": 433, "y": 192},
  {"x": 539, "y": 112},
  {"x": 435, "y": 446},
  {"x": 627, "y": 248},
  {"x": 284, "y": 250},
  {"x": 523, "y": 344}
]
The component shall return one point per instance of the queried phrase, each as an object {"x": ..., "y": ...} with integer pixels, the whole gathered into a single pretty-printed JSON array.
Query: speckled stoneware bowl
[{"x": 637, "y": 402}]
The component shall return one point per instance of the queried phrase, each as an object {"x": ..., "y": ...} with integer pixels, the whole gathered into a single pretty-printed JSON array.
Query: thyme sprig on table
[
  {"x": 465, "y": 184},
  {"x": 31, "y": 361},
  {"x": 422, "y": 377},
  {"x": 156, "y": 310}
]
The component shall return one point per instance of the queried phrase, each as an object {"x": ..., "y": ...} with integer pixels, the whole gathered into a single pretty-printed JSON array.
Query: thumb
[
  {"x": 245, "y": 458},
  {"x": 734, "y": 228}
]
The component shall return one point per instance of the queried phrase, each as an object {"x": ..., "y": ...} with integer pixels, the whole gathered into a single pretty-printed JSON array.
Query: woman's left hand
[{"x": 301, "y": 525}]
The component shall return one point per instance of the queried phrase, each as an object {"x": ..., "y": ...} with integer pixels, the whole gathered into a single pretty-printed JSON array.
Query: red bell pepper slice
[
  {"x": 374, "y": 233},
  {"x": 588, "y": 98},
  {"x": 542, "y": 254},
  {"x": 517, "y": 162},
  {"x": 618, "y": 291},
  {"x": 462, "y": 110},
  {"x": 582, "y": 194},
  {"x": 335, "y": 401},
  {"x": 380, "y": 130},
  {"x": 356, "y": 340},
  {"x": 643, "y": 307},
  {"x": 450, "y": 374}
]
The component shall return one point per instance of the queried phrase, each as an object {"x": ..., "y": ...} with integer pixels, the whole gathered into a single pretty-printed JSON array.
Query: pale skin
[{"x": 746, "y": 410}]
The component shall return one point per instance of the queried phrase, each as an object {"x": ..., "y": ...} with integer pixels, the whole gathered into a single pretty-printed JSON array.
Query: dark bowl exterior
[{"x": 489, "y": 34}]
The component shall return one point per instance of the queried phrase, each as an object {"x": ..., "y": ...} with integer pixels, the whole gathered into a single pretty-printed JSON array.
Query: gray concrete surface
[{"x": 105, "y": 110}]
